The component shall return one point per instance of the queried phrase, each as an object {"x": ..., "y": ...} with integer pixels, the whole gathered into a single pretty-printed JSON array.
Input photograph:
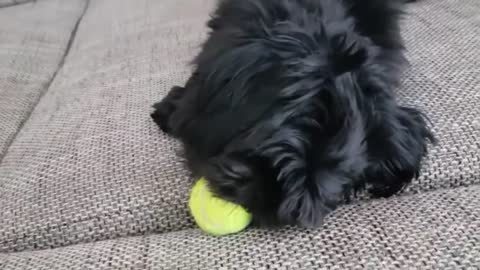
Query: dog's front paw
[
  {"x": 165, "y": 108},
  {"x": 161, "y": 115},
  {"x": 397, "y": 149}
]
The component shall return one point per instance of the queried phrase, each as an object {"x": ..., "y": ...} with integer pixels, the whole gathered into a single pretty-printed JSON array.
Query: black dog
[{"x": 291, "y": 107}]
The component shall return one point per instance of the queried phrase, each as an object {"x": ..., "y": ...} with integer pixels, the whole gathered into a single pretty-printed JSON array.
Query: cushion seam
[
  {"x": 17, "y": 4},
  {"x": 49, "y": 82}
]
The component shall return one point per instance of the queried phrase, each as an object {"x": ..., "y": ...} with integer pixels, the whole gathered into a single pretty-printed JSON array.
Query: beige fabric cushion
[
  {"x": 435, "y": 230},
  {"x": 33, "y": 39},
  {"x": 90, "y": 164},
  {"x": 443, "y": 40}
]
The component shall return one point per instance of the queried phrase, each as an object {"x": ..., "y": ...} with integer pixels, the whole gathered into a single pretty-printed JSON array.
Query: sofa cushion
[
  {"x": 443, "y": 41},
  {"x": 435, "y": 230},
  {"x": 33, "y": 39},
  {"x": 90, "y": 164}
]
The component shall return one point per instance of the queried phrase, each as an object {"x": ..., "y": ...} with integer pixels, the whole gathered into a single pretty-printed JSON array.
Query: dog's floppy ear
[
  {"x": 309, "y": 189},
  {"x": 308, "y": 201}
]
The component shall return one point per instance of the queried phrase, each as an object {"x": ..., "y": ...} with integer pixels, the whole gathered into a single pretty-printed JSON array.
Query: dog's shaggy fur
[{"x": 291, "y": 107}]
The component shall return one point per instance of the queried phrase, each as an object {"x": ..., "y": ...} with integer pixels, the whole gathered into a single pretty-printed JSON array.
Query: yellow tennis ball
[{"x": 214, "y": 215}]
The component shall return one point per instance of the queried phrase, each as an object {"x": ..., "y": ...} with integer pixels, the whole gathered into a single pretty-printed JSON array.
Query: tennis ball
[{"x": 214, "y": 215}]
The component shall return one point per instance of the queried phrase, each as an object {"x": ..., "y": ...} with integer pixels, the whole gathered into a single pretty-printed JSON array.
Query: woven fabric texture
[
  {"x": 31, "y": 49},
  {"x": 435, "y": 230},
  {"x": 90, "y": 165},
  {"x": 443, "y": 40}
]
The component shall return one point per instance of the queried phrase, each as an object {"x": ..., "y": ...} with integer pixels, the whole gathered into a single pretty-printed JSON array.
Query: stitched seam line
[
  {"x": 49, "y": 82},
  {"x": 15, "y": 3}
]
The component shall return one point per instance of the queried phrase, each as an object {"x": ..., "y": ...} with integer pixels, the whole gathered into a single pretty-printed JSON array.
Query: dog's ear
[{"x": 308, "y": 201}]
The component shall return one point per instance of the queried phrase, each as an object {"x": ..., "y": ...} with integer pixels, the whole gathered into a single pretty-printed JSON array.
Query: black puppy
[{"x": 291, "y": 107}]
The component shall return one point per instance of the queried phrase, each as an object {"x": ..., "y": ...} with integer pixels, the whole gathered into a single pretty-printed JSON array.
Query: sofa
[{"x": 87, "y": 180}]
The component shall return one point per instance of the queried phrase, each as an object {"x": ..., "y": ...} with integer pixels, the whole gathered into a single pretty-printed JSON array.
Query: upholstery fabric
[
  {"x": 435, "y": 230},
  {"x": 443, "y": 40},
  {"x": 90, "y": 165},
  {"x": 33, "y": 39}
]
